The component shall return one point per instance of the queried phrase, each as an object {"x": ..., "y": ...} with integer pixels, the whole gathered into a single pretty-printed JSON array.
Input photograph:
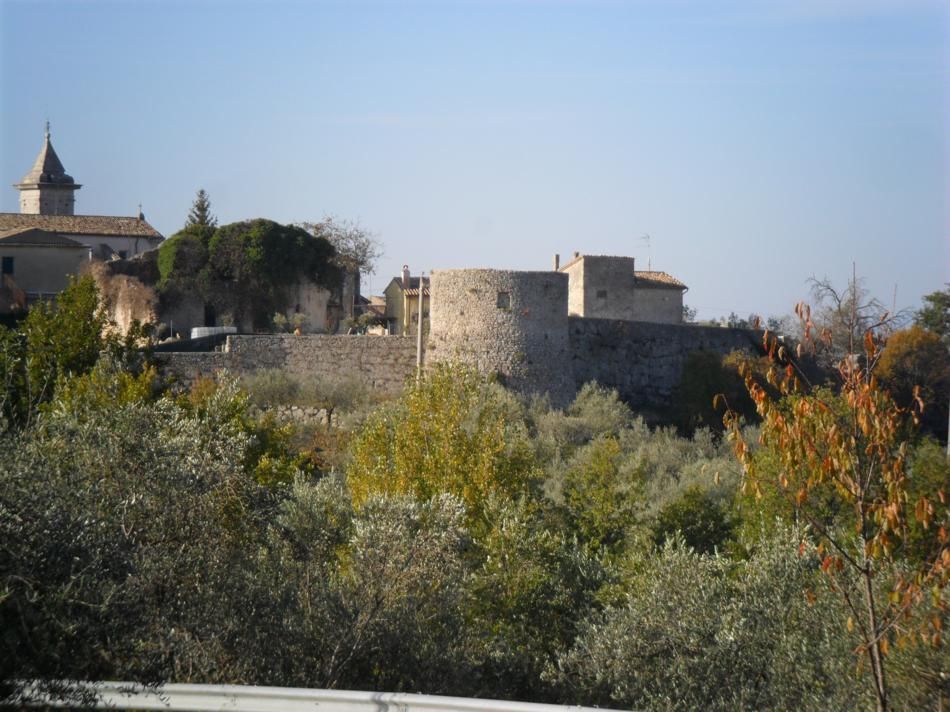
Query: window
[
  {"x": 504, "y": 300},
  {"x": 601, "y": 293},
  {"x": 7, "y": 265},
  {"x": 123, "y": 254}
]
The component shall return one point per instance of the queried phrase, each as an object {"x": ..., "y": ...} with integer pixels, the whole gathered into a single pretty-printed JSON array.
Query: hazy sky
[{"x": 757, "y": 143}]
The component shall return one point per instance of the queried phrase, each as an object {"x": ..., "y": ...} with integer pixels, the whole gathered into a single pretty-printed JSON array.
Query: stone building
[
  {"x": 47, "y": 203},
  {"x": 604, "y": 287},
  {"x": 36, "y": 264},
  {"x": 402, "y": 304}
]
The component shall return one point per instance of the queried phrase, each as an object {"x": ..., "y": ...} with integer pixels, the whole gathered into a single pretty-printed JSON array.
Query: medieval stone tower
[
  {"x": 46, "y": 189},
  {"x": 512, "y": 324}
]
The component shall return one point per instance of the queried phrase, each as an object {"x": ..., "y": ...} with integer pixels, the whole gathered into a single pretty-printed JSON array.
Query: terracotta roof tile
[
  {"x": 34, "y": 236},
  {"x": 651, "y": 278},
  {"x": 81, "y": 225}
]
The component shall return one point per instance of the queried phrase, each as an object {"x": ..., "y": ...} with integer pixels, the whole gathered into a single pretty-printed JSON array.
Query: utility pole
[{"x": 422, "y": 303}]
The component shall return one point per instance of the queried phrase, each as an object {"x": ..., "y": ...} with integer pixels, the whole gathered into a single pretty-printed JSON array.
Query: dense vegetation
[
  {"x": 458, "y": 540},
  {"x": 243, "y": 269}
]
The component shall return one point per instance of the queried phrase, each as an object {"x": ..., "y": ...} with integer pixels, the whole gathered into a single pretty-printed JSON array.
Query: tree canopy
[
  {"x": 845, "y": 453},
  {"x": 935, "y": 314},
  {"x": 200, "y": 213},
  {"x": 357, "y": 249},
  {"x": 245, "y": 268}
]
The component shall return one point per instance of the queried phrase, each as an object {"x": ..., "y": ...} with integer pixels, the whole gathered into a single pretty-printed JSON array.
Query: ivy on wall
[{"x": 245, "y": 268}]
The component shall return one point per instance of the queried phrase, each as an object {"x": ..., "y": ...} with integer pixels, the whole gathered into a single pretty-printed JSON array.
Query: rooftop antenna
[{"x": 646, "y": 238}]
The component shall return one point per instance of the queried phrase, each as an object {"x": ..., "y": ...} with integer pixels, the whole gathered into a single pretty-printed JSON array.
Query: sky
[{"x": 743, "y": 146}]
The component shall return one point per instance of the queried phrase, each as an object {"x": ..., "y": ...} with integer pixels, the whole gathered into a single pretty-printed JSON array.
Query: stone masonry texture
[
  {"x": 642, "y": 360},
  {"x": 380, "y": 363},
  {"x": 510, "y": 324}
]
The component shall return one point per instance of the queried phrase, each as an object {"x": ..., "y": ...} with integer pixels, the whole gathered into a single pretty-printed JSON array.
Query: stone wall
[
  {"x": 126, "y": 297},
  {"x": 530, "y": 343},
  {"x": 185, "y": 368},
  {"x": 380, "y": 363},
  {"x": 513, "y": 324},
  {"x": 658, "y": 304},
  {"x": 644, "y": 361}
]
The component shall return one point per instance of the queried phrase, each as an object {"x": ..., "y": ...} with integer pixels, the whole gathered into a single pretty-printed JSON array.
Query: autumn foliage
[{"x": 851, "y": 446}]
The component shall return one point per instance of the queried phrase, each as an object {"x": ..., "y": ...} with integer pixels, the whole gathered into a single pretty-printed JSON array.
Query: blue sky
[{"x": 756, "y": 142}]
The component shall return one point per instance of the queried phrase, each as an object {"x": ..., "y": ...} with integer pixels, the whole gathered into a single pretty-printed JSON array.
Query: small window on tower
[
  {"x": 7, "y": 265},
  {"x": 504, "y": 300},
  {"x": 601, "y": 293}
]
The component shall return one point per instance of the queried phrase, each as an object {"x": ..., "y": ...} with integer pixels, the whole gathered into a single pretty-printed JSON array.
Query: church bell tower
[{"x": 47, "y": 189}]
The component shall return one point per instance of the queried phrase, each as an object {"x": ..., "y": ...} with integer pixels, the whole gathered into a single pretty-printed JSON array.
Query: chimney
[
  {"x": 576, "y": 255},
  {"x": 405, "y": 276},
  {"x": 557, "y": 262}
]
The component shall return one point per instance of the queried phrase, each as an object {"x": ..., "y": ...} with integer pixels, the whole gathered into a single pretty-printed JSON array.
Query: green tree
[
  {"x": 56, "y": 341},
  {"x": 705, "y": 632},
  {"x": 452, "y": 432},
  {"x": 244, "y": 269},
  {"x": 603, "y": 496},
  {"x": 125, "y": 529},
  {"x": 915, "y": 363},
  {"x": 530, "y": 588},
  {"x": 200, "y": 213},
  {"x": 251, "y": 264},
  {"x": 935, "y": 314},
  {"x": 698, "y": 518}
]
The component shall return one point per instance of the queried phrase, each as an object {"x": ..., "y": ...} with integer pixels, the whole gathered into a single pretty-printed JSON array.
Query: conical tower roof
[{"x": 47, "y": 168}]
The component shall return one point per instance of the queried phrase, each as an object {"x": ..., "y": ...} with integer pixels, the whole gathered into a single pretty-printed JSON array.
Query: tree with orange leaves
[{"x": 851, "y": 447}]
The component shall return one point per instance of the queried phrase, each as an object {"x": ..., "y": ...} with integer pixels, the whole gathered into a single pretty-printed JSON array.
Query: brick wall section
[
  {"x": 644, "y": 361},
  {"x": 381, "y": 363}
]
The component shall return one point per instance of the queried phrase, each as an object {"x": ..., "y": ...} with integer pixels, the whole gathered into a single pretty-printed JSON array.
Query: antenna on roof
[{"x": 646, "y": 238}]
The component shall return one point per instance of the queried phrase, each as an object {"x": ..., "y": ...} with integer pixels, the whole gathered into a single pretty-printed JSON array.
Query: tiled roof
[
  {"x": 650, "y": 278},
  {"x": 413, "y": 289},
  {"x": 80, "y": 225},
  {"x": 36, "y": 237}
]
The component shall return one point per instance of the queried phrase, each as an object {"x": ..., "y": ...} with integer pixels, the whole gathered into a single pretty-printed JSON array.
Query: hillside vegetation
[{"x": 459, "y": 540}]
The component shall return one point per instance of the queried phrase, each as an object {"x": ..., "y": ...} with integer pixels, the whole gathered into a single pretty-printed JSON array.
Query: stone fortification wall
[
  {"x": 380, "y": 363},
  {"x": 642, "y": 360},
  {"x": 513, "y": 324},
  {"x": 658, "y": 304},
  {"x": 185, "y": 368}
]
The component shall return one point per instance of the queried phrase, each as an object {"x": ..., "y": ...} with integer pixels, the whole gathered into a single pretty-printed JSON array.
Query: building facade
[
  {"x": 402, "y": 304},
  {"x": 606, "y": 287}
]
